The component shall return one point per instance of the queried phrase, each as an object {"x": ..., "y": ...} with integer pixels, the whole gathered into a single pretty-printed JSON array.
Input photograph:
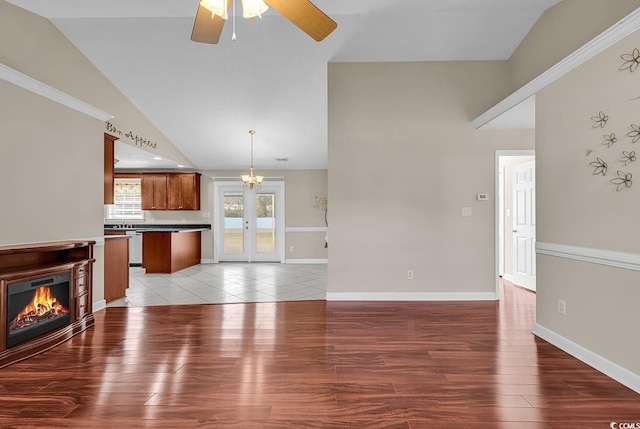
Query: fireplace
[
  {"x": 45, "y": 296},
  {"x": 37, "y": 306}
]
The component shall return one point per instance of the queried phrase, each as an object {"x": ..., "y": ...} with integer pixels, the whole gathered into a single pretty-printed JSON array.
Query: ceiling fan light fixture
[
  {"x": 253, "y": 8},
  {"x": 216, "y": 7}
]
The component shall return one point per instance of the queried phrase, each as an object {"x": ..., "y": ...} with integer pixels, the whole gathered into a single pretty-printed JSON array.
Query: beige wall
[
  {"x": 560, "y": 31},
  {"x": 32, "y": 45},
  {"x": 51, "y": 157},
  {"x": 50, "y": 182},
  {"x": 403, "y": 161},
  {"x": 301, "y": 188},
  {"x": 578, "y": 208}
]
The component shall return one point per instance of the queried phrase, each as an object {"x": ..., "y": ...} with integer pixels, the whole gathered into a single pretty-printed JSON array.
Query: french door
[{"x": 249, "y": 223}]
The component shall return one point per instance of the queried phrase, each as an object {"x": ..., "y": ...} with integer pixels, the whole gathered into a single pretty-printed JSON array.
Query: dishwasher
[{"x": 135, "y": 248}]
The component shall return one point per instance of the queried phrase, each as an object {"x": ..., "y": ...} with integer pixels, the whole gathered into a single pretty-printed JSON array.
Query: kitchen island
[
  {"x": 168, "y": 251},
  {"x": 167, "y": 248}
]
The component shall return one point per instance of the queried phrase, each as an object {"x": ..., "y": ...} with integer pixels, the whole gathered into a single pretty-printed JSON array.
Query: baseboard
[
  {"x": 100, "y": 305},
  {"x": 508, "y": 277},
  {"x": 411, "y": 296},
  {"x": 306, "y": 261},
  {"x": 605, "y": 366},
  {"x": 287, "y": 261}
]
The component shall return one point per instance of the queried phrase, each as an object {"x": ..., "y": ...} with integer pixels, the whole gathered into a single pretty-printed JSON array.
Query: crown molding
[
  {"x": 37, "y": 87},
  {"x": 623, "y": 28}
]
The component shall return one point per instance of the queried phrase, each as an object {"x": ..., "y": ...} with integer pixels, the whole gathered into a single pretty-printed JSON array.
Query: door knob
[{"x": 515, "y": 230}]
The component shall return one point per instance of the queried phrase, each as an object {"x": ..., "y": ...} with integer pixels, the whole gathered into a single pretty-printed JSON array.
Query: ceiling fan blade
[
  {"x": 306, "y": 16},
  {"x": 205, "y": 28}
]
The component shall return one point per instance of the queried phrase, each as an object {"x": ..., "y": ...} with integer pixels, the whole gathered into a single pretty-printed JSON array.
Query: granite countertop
[
  {"x": 146, "y": 230},
  {"x": 116, "y": 237},
  {"x": 157, "y": 228}
]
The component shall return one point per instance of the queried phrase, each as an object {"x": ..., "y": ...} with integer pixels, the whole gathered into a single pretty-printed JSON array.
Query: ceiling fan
[{"x": 212, "y": 14}]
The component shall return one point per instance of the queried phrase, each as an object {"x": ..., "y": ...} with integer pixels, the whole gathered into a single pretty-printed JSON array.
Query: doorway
[
  {"x": 249, "y": 222},
  {"x": 515, "y": 218}
]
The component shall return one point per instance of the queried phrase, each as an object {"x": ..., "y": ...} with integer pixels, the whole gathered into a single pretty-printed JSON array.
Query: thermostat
[{"x": 483, "y": 197}]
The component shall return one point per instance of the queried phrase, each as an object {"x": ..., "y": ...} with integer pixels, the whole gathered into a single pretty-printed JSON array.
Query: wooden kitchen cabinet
[
  {"x": 171, "y": 251},
  {"x": 170, "y": 191},
  {"x": 108, "y": 167},
  {"x": 154, "y": 187},
  {"x": 116, "y": 267},
  {"x": 184, "y": 191}
]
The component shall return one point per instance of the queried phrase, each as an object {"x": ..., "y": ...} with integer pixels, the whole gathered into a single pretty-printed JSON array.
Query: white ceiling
[{"x": 273, "y": 78}]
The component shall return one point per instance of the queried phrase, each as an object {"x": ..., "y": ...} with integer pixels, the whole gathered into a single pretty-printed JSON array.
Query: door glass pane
[
  {"x": 233, "y": 220},
  {"x": 266, "y": 223}
]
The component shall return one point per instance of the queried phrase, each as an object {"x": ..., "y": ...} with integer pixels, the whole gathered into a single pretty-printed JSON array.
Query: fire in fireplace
[{"x": 37, "y": 306}]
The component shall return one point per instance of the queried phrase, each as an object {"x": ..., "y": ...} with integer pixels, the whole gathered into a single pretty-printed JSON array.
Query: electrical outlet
[
  {"x": 290, "y": 248},
  {"x": 409, "y": 274},
  {"x": 562, "y": 307},
  {"x": 466, "y": 211}
]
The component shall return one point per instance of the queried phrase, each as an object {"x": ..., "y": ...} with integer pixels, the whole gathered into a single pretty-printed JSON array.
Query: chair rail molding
[
  {"x": 629, "y": 261},
  {"x": 306, "y": 229}
]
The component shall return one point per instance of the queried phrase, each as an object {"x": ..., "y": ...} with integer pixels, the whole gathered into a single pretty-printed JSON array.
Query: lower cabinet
[
  {"x": 168, "y": 252},
  {"x": 116, "y": 267}
]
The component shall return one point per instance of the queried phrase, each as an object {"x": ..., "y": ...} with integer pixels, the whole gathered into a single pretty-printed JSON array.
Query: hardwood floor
[{"x": 313, "y": 364}]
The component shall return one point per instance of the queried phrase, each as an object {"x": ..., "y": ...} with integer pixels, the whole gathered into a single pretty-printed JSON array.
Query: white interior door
[
  {"x": 524, "y": 225},
  {"x": 250, "y": 223}
]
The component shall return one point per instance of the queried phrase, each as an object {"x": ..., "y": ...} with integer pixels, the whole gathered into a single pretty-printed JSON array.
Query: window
[{"x": 127, "y": 198}]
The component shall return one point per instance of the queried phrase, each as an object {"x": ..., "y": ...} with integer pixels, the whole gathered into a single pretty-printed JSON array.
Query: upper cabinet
[
  {"x": 184, "y": 191},
  {"x": 108, "y": 167},
  {"x": 170, "y": 191},
  {"x": 154, "y": 191}
]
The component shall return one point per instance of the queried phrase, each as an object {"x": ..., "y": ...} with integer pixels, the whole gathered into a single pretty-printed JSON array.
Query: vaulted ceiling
[{"x": 273, "y": 78}]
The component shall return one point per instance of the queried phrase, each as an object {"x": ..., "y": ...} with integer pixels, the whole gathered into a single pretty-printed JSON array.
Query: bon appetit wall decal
[{"x": 139, "y": 141}]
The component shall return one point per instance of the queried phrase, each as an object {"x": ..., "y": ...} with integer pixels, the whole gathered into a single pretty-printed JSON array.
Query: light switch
[{"x": 466, "y": 211}]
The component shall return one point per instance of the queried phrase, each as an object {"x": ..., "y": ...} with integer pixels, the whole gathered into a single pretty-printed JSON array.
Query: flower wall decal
[
  {"x": 631, "y": 61},
  {"x": 623, "y": 181},
  {"x": 600, "y": 167},
  {"x": 634, "y": 133},
  {"x": 609, "y": 140},
  {"x": 628, "y": 157},
  {"x": 600, "y": 120}
]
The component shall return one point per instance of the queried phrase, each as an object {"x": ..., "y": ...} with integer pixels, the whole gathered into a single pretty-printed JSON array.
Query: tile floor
[{"x": 229, "y": 282}]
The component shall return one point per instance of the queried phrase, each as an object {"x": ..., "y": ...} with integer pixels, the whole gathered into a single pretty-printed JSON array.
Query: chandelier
[{"x": 251, "y": 181}]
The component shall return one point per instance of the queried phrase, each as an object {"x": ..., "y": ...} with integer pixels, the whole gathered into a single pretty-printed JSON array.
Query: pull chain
[{"x": 233, "y": 36}]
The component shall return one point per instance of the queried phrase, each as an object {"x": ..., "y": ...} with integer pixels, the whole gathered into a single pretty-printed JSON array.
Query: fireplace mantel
[{"x": 31, "y": 261}]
